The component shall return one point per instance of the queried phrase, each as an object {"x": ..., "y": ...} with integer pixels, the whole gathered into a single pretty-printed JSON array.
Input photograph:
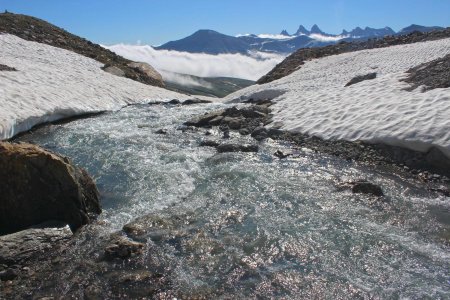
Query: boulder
[
  {"x": 38, "y": 186},
  {"x": 114, "y": 70},
  {"x": 147, "y": 70}
]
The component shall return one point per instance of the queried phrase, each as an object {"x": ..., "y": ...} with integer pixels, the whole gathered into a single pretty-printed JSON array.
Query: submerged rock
[
  {"x": 122, "y": 248},
  {"x": 195, "y": 101},
  {"x": 365, "y": 187},
  {"x": 236, "y": 148},
  {"x": 38, "y": 186}
]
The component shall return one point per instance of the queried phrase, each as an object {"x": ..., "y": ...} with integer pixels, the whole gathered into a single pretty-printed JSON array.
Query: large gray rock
[
  {"x": 114, "y": 70},
  {"x": 38, "y": 186},
  {"x": 147, "y": 70}
]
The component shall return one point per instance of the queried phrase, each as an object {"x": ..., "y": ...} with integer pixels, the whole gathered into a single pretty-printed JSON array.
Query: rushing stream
[{"x": 243, "y": 225}]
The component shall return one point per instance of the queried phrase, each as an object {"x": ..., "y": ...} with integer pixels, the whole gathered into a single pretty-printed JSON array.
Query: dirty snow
[
  {"x": 314, "y": 100},
  {"x": 53, "y": 83}
]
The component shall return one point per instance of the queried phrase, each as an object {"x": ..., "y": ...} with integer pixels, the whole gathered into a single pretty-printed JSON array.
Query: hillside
[
  {"x": 298, "y": 58},
  {"x": 36, "y": 30}
]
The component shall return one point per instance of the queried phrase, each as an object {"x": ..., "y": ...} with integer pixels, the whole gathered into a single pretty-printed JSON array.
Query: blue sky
[{"x": 158, "y": 21}]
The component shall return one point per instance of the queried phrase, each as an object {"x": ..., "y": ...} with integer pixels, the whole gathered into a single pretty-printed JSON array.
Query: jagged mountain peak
[
  {"x": 284, "y": 32},
  {"x": 315, "y": 29},
  {"x": 302, "y": 30}
]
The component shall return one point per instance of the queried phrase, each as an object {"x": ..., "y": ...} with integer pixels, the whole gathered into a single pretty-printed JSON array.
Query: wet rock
[
  {"x": 38, "y": 186},
  {"x": 209, "y": 143},
  {"x": 203, "y": 120},
  {"x": 123, "y": 248},
  {"x": 437, "y": 159},
  {"x": 281, "y": 155},
  {"x": 23, "y": 246},
  {"x": 233, "y": 123},
  {"x": 195, "y": 101},
  {"x": 236, "y": 148},
  {"x": 161, "y": 131},
  {"x": 174, "y": 101},
  {"x": 244, "y": 131},
  {"x": 226, "y": 134},
  {"x": 260, "y": 133},
  {"x": 365, "y": 187},
  {"x": 274, "y": 132},
  {"x": 6, "y": 68},
  {"x": 361, "y": 78},
  {"x": 216, "y": 121},
  {"x": 255, "y": 112}
]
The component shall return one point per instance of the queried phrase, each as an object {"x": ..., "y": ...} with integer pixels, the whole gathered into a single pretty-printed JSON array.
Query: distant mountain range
[{"x": 213, "y": 42}]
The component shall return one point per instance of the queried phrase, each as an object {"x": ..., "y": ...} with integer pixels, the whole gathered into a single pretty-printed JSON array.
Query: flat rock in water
[
  {"x": 195, "y": 101},
  {"x": 365, "y": 187},
  {"x": 236, "y": 148},
  {"x": 123, "y": 248},
  {"x": 20, "y": 247}
]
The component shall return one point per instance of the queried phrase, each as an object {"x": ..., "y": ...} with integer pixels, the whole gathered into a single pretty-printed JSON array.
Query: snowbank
[
  {"x": 314, "y": 100},
  {"x": 52, "y": 83}
]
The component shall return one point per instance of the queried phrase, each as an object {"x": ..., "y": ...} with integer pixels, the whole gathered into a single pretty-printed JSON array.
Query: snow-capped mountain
[{"x": 213, "y": 42}]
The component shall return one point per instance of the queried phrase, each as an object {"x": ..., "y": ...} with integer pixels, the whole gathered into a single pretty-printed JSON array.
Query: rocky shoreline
[{"x": 431, "y": 167}]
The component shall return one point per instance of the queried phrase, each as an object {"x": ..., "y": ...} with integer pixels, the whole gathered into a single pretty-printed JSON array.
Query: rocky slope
[
  {"x": 298, "y": 58},
  {"x": 34, "y": 29}
]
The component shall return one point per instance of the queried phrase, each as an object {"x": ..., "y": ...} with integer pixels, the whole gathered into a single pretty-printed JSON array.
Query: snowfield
[
  {"x": 52, "y": 83},
  {"x": 313, "y": 100}
]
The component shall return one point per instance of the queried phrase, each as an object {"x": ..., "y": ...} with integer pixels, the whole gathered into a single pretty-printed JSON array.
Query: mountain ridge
[{"x": 213, "y": 42}]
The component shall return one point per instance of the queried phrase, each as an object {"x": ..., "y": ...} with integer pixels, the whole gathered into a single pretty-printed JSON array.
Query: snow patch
[
  {"x": 53, "y": 83},
  {"x": 317, "y": 102}
]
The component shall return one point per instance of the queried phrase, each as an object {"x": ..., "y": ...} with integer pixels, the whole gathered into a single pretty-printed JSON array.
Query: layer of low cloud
[
  {"x": 326, "y": 38},
  {"x": 184, "y": 79},
  {"x": 250, "y": 67},
  {"x": 269, "y": 36}
]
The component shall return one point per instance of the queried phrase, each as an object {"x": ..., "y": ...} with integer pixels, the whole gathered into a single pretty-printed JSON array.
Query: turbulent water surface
[{"x": 243, "y": 225}]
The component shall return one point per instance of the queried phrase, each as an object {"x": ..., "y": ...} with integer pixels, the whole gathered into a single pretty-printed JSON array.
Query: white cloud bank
[{"x": 250, "y": 67}]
